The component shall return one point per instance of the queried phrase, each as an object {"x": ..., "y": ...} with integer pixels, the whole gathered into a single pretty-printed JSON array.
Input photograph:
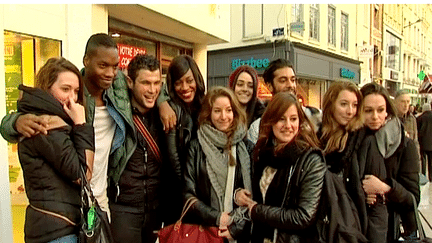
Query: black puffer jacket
[
  {"x": 290, "y": 210},
  {"x": 197, "y": 184},
  {"x": 51, "y": 164}
]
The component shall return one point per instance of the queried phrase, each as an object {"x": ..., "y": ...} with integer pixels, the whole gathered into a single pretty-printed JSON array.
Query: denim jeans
[{"x": 66, "y": 239}]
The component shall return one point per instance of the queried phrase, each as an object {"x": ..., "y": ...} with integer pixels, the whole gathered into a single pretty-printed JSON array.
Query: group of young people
[{"x": 149, "y": 147}]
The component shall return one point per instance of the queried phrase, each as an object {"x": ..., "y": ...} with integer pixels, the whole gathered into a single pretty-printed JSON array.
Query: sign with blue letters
[{"x": 346, "y": 73}]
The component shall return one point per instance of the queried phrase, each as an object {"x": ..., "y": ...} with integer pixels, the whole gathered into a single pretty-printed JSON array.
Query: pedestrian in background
[
  {"x": 285, "y": 155},
  {"x": 244, "y": 82},
  {"x": 402, "y": 102},
  {"x": 218, "y": 163},
  {"x": 425, "y": 139}
]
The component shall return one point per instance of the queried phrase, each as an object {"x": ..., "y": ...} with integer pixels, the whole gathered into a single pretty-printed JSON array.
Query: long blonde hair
[{"x": 334, "y": 136}]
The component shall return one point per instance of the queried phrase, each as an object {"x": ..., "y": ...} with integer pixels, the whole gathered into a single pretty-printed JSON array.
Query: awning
[{"x": 426, "y": 86}]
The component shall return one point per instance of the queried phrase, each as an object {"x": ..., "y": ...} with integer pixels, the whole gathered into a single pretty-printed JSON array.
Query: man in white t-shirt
[{"x": 107, "y": 109}]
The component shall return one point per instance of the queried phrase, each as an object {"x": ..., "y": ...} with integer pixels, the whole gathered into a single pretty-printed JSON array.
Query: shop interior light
[{"x": 114, "y": 35}]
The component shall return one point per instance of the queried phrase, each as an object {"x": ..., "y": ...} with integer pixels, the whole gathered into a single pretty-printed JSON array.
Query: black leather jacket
[
  {"x": 51, "y": 163},
  {"x": 295, "y": 218},
  {"x": 206, "y": 211}
]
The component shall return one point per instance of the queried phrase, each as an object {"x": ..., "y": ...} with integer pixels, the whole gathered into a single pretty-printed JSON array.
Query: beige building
[
  {"x": 320, "y": 40},
  {"x": 34, "y": 33}
]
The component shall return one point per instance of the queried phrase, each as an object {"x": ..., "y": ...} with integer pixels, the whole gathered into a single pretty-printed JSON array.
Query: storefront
[{"x": 315, "y": 68}]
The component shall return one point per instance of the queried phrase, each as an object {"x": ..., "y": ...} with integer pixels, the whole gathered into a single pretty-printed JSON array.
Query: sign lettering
[
  {"x": 126, "y": 53},
  {"x": 346, "y": 73},
  {"x": 258, "y": 64}
]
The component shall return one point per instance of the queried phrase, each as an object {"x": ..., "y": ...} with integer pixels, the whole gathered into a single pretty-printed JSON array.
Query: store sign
[
  {"x": 126, "y": 53},
  {"x": 346, "y": 73},
  {"x": 255, "y": 63},
  {"x": 366, "y": 51}
]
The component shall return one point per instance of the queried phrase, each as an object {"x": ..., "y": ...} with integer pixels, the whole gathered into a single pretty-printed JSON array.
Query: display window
[{"x": 24, "y": 55}]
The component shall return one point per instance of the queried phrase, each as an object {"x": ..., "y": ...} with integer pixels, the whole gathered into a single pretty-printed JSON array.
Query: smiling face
[
  {"x": 145, "y": 89},
  {"x": 375, "y": 111},
  {"x": 244, "y": 88},
  {"x": 101, "y": 68},
  {"x": 287, "y": 127},
  {"x": 345, "y": 107},
  {"x": 284, "y": 80},
  {"x": 222, "y": 114},
  {"x": 66, "y": 86},
  {"x": 186, "y": 87}
]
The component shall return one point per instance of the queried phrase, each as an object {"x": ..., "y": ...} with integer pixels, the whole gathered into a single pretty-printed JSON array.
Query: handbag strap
[
  {"x": 419, "y": 224},
  {"x": 187, "y": 205},
  {"x": 148, "y": 137}
]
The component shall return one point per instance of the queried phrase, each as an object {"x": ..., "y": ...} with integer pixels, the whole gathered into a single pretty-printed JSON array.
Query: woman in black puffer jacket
[
  {"x": 285, "y": 155},
  {"x": 52, "y": 162}
]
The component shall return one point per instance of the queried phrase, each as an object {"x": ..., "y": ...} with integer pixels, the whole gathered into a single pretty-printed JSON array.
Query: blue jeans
[{"x": 66, "y": 239}]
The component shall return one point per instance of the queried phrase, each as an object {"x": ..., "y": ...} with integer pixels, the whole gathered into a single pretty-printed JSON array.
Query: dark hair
[
  {"x": 98, "y": 40},
  {"x": 207, "y": 106},
  {"x": 50, "y": 71},
  {"x": 374, "y": 88},
  {"x": 274, "y": 65},
  {"x": 233, "y": 81},
  {"x": 179, "y": 67},
  {"x": 334, "y": 137},
  {"x": 139, "y": 62},
  {"x": 275, "y": 110}
]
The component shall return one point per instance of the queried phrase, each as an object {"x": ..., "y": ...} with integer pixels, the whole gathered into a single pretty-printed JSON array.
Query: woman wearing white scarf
[{"x": 218, "y": 163}]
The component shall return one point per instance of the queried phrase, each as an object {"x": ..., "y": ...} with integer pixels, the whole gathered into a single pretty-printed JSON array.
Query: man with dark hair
[
  {"x": 280, "y": 77},
  {"x": 107, "y": 108},
  {"x": 135, "y": 203}
]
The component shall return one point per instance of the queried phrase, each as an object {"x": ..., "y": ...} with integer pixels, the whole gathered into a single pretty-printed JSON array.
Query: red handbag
[{"x": 189, "y": 233}]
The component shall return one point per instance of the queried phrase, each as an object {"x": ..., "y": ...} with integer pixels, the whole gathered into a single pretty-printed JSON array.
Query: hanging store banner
[
  {"x": 126, "y": 53},
  {"x": 366, "y": 51}
]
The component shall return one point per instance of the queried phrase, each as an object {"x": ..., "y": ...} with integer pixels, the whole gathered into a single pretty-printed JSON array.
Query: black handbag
[{"x": 95, "y": 227}]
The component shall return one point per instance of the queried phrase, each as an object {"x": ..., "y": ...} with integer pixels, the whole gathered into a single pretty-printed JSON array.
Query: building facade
[
  {"x": 34, "y": 33},
  {"x": 319, "y": 39}
]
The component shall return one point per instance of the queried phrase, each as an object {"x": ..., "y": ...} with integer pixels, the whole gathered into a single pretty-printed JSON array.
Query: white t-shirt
[{"x": 104, "y": 128}]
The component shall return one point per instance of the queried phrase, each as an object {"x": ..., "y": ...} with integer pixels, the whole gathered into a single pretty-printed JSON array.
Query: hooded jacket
[{"x": 52, "y": 164}]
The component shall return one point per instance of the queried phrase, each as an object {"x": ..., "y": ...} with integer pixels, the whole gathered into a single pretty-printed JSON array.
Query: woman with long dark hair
[
  {"x": 52, "y": 163},
  {"x": 287, "y": 175},
  {"x": 244, "y": 82},
  {"x": 400, "y": 180},
  {"x": 218, "y": 163},
  {"x": 186, "y": 89}
]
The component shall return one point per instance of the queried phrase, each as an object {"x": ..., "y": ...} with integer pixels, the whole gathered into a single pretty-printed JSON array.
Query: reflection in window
[
  {"x": 331, "y": 25},
  {"x": 297, "y": 15},
  {"x": 314, "y": 22},
  {"x": 344, "y": 32},
  {"x": 393, "y": 51}
]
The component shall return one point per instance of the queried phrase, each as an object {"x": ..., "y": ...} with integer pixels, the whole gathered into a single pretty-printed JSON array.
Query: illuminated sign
[
  {"x": 255, "y": 63},
  {"x": 346, "y": 73}
]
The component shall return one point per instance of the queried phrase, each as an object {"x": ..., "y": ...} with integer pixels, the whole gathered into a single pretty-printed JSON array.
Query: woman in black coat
[
  {"x": 218, "y": 163},
  {"x": 186, "y": 90},
  {"x": 288, "y": 175},
  {"x": 401, "y": 162},
  {"x": 52, "y": 162}
]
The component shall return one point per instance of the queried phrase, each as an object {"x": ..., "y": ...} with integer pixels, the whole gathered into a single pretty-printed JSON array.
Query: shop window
[
  {"x": 297, "y": 16},
  {"x": 344, "y": 32},
  {"x": 314, "y": 22},
  {"x": 252, "y": 20},
  {"x": 331, "y": 25},
  {"x": 24, "y": 55},
  {"x": 392, "y": 51}
]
